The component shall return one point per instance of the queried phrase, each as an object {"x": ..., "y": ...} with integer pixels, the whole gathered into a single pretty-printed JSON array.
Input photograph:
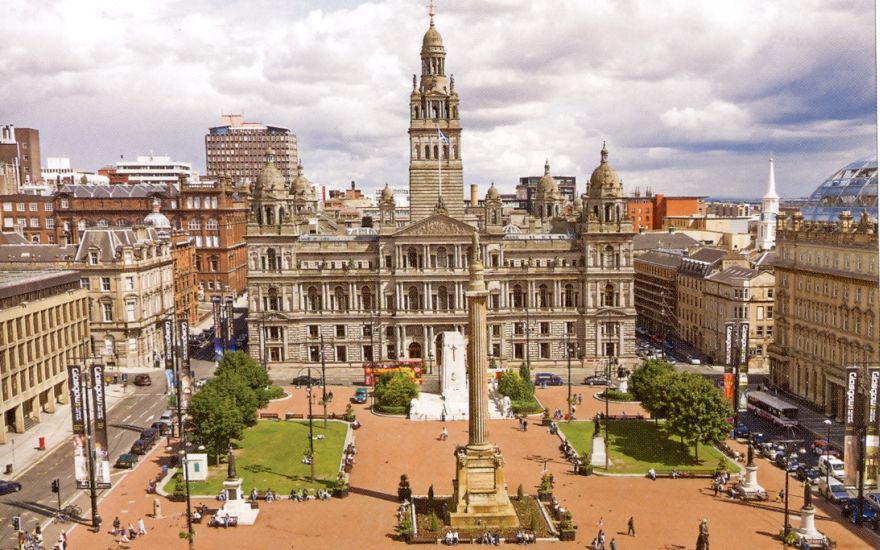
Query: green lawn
[
  {"x": 635, "y": 446},
  {"x": 270, "y": 456}
]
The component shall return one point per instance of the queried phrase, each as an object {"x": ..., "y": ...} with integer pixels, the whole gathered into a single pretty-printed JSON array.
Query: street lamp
[
  {"x": 184, "y": 460},
  {"x": 430, "y": 358},
  {"x": 568, "y": 355},
  {"x": 828, "y": 423},
  {"x": 787, "y": 445},
  {"x": 311, "y": 427}
]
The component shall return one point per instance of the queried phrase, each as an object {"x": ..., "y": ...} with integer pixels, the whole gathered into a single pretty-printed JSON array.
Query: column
[
  {"x": 50, "y": 400},
  {"x": 18, "y": 427},
  {"x": 2, "y": 427},
  {"x": 35, "y": 407},
  {"x": 478, "y": 431}
]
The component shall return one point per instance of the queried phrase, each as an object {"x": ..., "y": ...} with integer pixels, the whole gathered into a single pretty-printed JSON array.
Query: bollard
[
  {"x": 157, "y": 508},
  {"x": 42, "y": 445}
]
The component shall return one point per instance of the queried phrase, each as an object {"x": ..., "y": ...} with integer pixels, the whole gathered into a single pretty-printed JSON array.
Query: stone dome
[
  {"x": 605, "y": 182},
  {"x": 270, "y": 178},
  {"x": 158, "y": 220},
  {"x": 547, "y": 185},
  {"x": 492, "y": 194},
  {"x": 578, "y": 204},
  {"x": 301, "y": 185},
  {"x": 387, "y": 194},
  {"x": 432, "y": 40}
]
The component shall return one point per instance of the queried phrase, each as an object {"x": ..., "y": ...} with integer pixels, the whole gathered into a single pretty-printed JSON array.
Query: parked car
[
  {"x": 306, "y": 381},
  {"x": 150, "y": 435},
  {"x": 832, "y": 466},
  {"x": 770, "y": 450},
  {"x": 547, "y": 379},
  {"x": 596, "y": 380},
  {"x": 162, "y": 426},
  {"x": 140, "y": 447},
  {"x": 833, "y": 490},
  {"x": 7, "y": 487},
  {"x": 143, "y": 380},
  {"x": 742, "y": 431},
  {"x": 820, "y": 447},
  {"x": 757, "y": 438},
  {"x": 807, "y": 473},
  {"x": 850, "y": 511},
  {"x": 360, "y": 395},
  {"x": 693, "y": 360},
  {"x": 784, "y": 461},
  {"x": 127, "y": 460}
]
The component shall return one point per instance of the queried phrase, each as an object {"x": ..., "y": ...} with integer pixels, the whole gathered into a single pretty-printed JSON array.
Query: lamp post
[
  {"x": 528, "y": 330},
  {"x": 430, "y": 358},
  {"x": 568, "y": 354},
  {"x": 184, "y": 459},
  {"x": 85, "y": 387},
  {"x": 787, "y": 445},
  {"x": 827, "y": 423},
  {"x": 311, "y": 427},
  {"x": 607, "y": 385}
]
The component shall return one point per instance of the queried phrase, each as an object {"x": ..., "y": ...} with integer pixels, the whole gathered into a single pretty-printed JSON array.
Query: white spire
[{"x": 771, "y": 182}]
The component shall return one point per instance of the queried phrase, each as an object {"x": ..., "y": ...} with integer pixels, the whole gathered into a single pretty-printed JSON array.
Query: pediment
[{"x": 437, "y": 224}]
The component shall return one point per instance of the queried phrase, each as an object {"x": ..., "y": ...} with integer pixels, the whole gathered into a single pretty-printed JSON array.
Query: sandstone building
[{"x": 385, "y": 289}]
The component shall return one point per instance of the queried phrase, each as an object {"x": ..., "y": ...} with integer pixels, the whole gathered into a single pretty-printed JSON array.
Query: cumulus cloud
[{"x": 691, "y": 96}]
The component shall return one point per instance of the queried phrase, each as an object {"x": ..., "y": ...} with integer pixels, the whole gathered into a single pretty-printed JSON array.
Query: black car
[
  {"x": 306, "y": 381},
  {"x": 127, "y": 460},
  {"x": 140, "y": 447},
  {"x": 162, "y": 427},
  {"x": 150, "y": 435},
  {"x": 596, "y": 380},
  {"x": 7, "y": 487},
  {"x": 143, "y": 380}
]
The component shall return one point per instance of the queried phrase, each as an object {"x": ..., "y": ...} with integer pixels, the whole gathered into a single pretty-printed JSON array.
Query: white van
[{"x": 832, "y": 465}]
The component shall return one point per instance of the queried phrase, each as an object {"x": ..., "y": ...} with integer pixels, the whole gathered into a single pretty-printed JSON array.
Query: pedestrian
[
  {"x": 613, "y": 544},
  {"x": 142, "y": 530},
  {"x": 444, "y": 435},
  {"x": 61, "y": 541},
  {"x": 131, "y": 532},
  {"x": 715, "y": 487},
  {"x": 781, "y": 496},
  {"x": 631, "y": 527},
  {"x": 601, "y": 538},
  {"x": 116, "y": 524}
]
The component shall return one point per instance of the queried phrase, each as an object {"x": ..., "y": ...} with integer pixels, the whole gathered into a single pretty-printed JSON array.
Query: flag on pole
[{"x": 443, "y": 139}]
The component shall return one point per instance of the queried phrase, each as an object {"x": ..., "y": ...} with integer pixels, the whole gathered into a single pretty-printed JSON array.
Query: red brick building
[
  {"x": 33, "y": 215},
  {"x": 648, "y": 212},
  {"x": 20, "y": 147}
]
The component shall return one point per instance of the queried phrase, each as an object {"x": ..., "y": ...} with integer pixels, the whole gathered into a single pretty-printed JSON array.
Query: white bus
[{"x": 773, "y": 409}]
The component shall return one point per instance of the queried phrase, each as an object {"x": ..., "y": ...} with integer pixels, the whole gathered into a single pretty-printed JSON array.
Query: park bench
[
  {"x": 705, "y": 474},
  {"x": 298, "y": 415},
  {"x": 626, "y": 417},
  {"x": 270, "y": 416},
  {"x": 218, "y": 522},
  {"x": 290, "y": 416}
]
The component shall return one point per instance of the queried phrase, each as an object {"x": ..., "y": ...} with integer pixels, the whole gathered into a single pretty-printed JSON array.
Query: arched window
[
  {"x": 103, "y": 223},
  {"x": 608, "y": 257},
  {"x": 366, "y": 298},
  {"x": 436, "y": 148},
  {"x": 609, "y": 296},
  {"x": 341, "y": 299},
  {"x": 412, "y": 258},
  {"x": 427, "y": 152},
  {"x": 195, "y": 224},
  {"x": 272, "y": 301},
  {"x": 271, "y": 259},
  {"x": 446, "y": 151},
  {"x": 414, "y": 302},
  {"x": 543, "y": 296},
  {"x": 569, "y": 296},
  {"x": 517, "y": 296},
  {"x": 211, "y": 225},
  {"x": 441, "y": 257},
  {"x": 121, "y": 222},
  {"x": 313, "y": 299}
]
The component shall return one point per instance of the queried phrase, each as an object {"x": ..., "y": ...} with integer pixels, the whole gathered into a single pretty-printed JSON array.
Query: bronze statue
[
  {"x": 751, "y": 461},
  {"x": 703, "y": 538},
  {"x": 230, "y": 465},
  {"x": 808, "y": 495}
]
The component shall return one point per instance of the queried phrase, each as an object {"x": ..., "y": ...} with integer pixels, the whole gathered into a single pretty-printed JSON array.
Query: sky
[{"x": 692, "y": 97}]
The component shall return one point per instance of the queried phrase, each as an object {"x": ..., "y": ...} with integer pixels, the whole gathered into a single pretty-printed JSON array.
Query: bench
[
  {"x": 294, "y": 416},
  {"x": 219, "y": 522},
  {"x": 687, "y": 475},
  {"x": 270, "y": 416},
  {"x": 290, "y": 416},
  {"x": 626, "y": 417}
]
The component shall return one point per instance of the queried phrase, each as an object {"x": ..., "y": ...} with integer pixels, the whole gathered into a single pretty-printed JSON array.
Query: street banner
[
  {"x": 728, "y": 387},
  {"x": 744, "y": 344},
  {"x": 872, "y": 441},
  {"x": 168, "y": 337},
  {"x": 218, "y": 326},
  {"x": 78, "y": 416},
  {"x": 728, "y": 344},
  {"x": 850, "y": 438},
  {"x": 184, "y": 344},
  {"x": 230, "y": 318},
  {"x": 102, "y": 451}
]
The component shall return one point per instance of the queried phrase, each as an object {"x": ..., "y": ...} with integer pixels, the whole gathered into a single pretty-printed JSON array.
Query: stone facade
[
  {"x": 44, "y": 319},
  {"x": 826, "y": 306},
  {"x": 386, "y": 290}
]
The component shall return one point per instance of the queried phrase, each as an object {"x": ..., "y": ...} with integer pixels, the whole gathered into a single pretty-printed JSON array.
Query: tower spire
[{"x": 771, "y": 182}]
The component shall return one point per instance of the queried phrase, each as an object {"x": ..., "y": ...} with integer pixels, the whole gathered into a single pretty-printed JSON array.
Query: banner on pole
[
  {"x": 102, "y": 451},
  {"x": 728, "y": 387},
  {"x": 744, "y": 344},
  {"x": 230, "y": 317},
  {"x": 218, "y": 326},
  {"x": 728, "y": 344},
  {"x": 78, "y": 416},
  {"x": 850, "y": 438},
  {"x": 168, "y": 337},
  {"x": 872, "y": 440},
  {"x": 184, "y": 344}
]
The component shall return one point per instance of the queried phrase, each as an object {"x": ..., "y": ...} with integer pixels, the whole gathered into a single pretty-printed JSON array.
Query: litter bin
[
  {"x": 42, "y": 444},
  {"x": 8, "y": 469}
]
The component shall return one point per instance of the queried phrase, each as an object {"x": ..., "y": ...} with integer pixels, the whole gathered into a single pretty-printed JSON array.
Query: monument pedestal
[
  {"x": 807, "y": 531},
  {"x": 235, "y": 505},
  {"x": 480, "y": 499}
]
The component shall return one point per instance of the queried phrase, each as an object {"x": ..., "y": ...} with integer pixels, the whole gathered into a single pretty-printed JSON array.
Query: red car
[{"x": 143, "y": 380}]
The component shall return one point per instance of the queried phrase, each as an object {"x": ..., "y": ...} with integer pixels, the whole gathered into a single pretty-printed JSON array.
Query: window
[
  {"x": 195, "y": 224},
  {"x": 340, "y": 354},
  {"x": 367, "y": 351},
  {"x": 518, "y": 329},
  {"x": 314, "y": 354},
  {"x": 496, "y": 350},
  {"x": 50, "y": 223},
  {"x": 105, "y": 284},
  {"x": 129, "y": 283},
  {"x": 34, "y": 207},
  {"x": 19, "y": 207},
  {"x": 760, "y": 313},
  {"x": 7, "y": 207},
  {"x": 569, "y": 327},
  {"x": 769, "y": 312},
  {"x": 107, "y": 312},
  {"x": 129, "y": 311},
  {"x": 518, "y": 351},
  {"x": 313, "y": 331},
  {"x": 211, "y": 225},
  {"x": 340, "y": 331},
  {"x": 93, "y": 258},
  {"x": 65, "y": 203},
  {"x": 545, "y": 351},
  {"x": 496, "y": 330},
  {"x": 84, "y": 283},
  {"x": 215, "y": 264},
  {"x": 545, "y": 328}
]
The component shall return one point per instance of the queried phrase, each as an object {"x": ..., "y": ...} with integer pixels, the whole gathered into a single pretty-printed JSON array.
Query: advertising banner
[
  {"x": 728, "y": 344},
  {"x": 78, "y": 416},
  {"x": 744, "y": 344},
  {"x": 184, "y": 344},
  {"x": 168, "y": 338},
  {"x": 728, "y": 387},
  {"x": 218, "y": 326},
  {"x": 99, "y": 409},
  {"x": 850, "y": 438},
  {"x": 230, "y": 317},
  {"x": 872, "y": 442}
]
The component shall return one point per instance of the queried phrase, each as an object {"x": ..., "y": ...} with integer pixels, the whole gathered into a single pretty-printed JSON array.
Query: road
[{"x": 36, "y": 502}]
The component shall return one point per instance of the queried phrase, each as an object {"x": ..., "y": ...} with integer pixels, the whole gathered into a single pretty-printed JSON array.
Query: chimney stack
[{"x": 474, "y": 195}]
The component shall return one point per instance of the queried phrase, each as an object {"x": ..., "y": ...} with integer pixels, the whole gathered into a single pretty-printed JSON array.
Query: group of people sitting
[
  {"x": 490, "y": 538},
  {"x": 200, "y": 512},
  {"x": 728, "y": 450},
  {"x": 570, "y": 452},
  {"x": 348, "y": 462},
  {"x": 451, "y": 538},
  {"x": 268, "y": 496},
  {"x": 525, "y": 537},
  {"x": 303, "y": 495}
]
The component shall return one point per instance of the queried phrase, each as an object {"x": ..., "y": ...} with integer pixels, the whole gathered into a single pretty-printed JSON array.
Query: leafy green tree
[
  {"x": 231, "y": 384},
  {"x": 218, "y": 419},
  {"x": 395, "y": 389},
  {"x": 515, "y": 387},
  {"x": 255, "y": 376},
  {"x": 698, "y": 412},
  {"x": 524, "y": 371},
  {"x": 650, "y": 383}
]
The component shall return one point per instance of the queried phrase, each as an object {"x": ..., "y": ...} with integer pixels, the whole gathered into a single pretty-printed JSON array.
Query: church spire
[{"x": 771, "y": 182}]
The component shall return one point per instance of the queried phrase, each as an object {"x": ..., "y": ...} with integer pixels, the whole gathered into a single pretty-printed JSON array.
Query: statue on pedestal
[
  {"x": 808, "y": 495},
  {"x": 703, "y": 538},
  {"x": 230, "y": 465},
  {"x": 751, "y": 459}
]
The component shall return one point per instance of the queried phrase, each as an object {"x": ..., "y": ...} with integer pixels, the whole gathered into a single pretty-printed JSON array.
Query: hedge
[
  {"x": 388, "y": 409},
  {"x": 526, "y": 407}
]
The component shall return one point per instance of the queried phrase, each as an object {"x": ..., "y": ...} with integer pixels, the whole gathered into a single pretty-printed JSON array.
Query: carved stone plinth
[
  {"x": 235, "y": 505},
  {"x": 807, "y": 530},
  {"x": 480, "y": 499}
]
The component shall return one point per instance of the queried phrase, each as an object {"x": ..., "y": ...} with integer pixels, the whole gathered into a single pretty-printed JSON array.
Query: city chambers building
[{"x": 560, "y": 277}]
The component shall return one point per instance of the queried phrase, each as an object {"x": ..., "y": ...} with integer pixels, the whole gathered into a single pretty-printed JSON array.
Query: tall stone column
[{"x": 478, "y": 351}]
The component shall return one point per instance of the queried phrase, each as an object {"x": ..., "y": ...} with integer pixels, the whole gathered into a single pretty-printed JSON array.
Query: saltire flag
[{"x": 443, "y": 138}]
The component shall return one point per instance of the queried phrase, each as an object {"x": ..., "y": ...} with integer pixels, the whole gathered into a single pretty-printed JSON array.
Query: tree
[
  {"x": 231, "y": 384},
  {"x": 515, "y": 387},
  {"x": 395, "y": 389},
  {"x": 650, "y": 383},
  {"x": 698, "y": 412},
  {"x": 250, "y": 371},
  {"x": 218, "y": 419}
]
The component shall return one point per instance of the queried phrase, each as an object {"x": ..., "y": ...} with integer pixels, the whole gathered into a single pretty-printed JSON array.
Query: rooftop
[{"x": 17, "y": 282}]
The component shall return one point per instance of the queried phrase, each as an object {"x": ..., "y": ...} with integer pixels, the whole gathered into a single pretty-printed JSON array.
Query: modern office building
[
  {"x": 20, "y": 147},
  {"x": 238, "y": 149}
]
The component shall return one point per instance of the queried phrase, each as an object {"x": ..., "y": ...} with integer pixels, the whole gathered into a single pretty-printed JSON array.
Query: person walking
[
  {"x": 613, "y": 544},
  {"x": 781, "y": 496},
  {"x": 142, "y": 530},
  {"x": 444, "y": 435},
  {"x": 116, "y": 524},
  {"x": 631, "y": 527}
]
